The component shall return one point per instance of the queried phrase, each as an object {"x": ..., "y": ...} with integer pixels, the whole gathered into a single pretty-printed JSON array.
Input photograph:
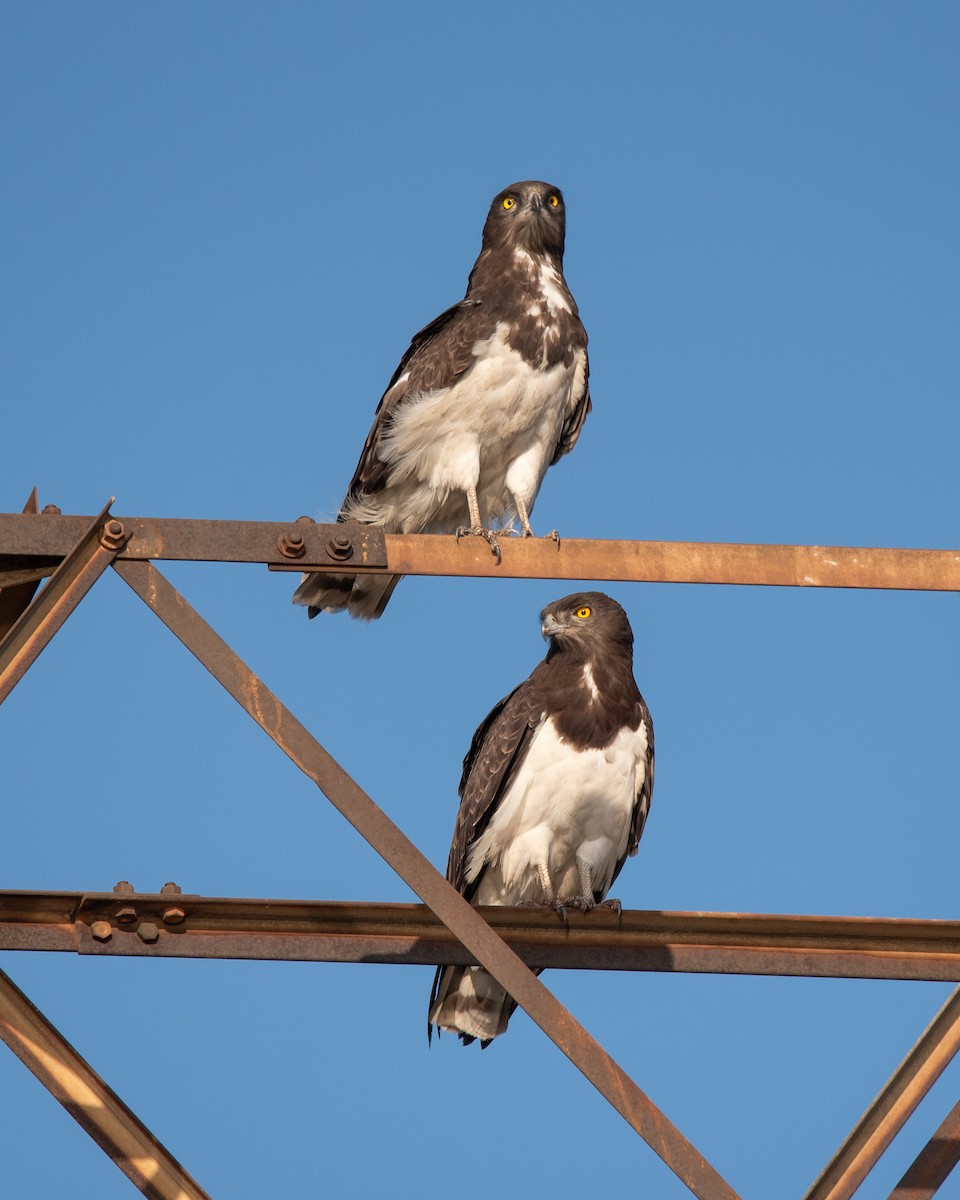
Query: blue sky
[{"x": 221, "y": 224}]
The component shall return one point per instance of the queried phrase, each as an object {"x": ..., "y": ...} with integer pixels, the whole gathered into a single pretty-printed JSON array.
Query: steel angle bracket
[
  {"x": 20, "y": 576},
  {"x": 892, "y": 1107},
  {"x": 91, "y": 1103},
  {"x": 929, "y": 1170},
  {"x": 68, "y": 584}
]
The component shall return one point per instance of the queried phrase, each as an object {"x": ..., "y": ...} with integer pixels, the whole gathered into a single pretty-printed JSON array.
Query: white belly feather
[
  {"x": 495, "y": 429},
  {"x": 562, "y": 806}
]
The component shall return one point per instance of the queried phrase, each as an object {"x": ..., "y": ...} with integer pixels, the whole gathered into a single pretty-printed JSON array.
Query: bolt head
[
  {"x": 101, "y": 931},
  {"x": 170, "y": 889},
  {"x": 148, "y": 932},
  {"x": 113, "y": 536},
  {"x": 292, "y": 545},
  {"x": 339, "y": 546},
  {"x": 126, "y": 915},
  {"x": 173, "y": 916}
]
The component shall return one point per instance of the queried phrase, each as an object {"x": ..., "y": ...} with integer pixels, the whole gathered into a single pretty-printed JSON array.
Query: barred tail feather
[
  {"x": 362, "y": 596},
  {"x": 469, "y": 1002}
]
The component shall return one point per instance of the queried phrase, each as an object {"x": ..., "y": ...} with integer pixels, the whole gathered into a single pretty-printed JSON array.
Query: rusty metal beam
[
  {"x": 91, "y": 1103},
  {"x": 86, "y": 561},
  {"x": 190, "y": 926},
  {"x": 898, "y": 1098},
  {"x": 471, "y": 929},
  {"x": 303, "y": 544},
  {"x": 932, "y": 1166},
  {"x": 18, "y": 586}
]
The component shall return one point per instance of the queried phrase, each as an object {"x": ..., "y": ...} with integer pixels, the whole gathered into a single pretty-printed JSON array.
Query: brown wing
[
  {"x": 496, "y": 752},
  {"x": 641, "y": 809},
  {"x": 436, "y": 358},
  {"x": 573, "y": 424}
]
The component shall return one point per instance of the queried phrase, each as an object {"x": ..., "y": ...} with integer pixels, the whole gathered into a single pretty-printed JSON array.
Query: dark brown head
[
  {"x": 527, "y": 216},
  {"x": 586, "y": 624}
]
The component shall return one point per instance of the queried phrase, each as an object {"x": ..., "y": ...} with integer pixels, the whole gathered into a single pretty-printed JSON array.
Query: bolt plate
[{"x": 356, "y": 545}]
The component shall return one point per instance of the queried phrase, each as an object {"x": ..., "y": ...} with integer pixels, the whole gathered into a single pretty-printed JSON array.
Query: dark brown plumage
[
  {"x": 487, "y": 397},
  {"x": 555, "y": 791}
]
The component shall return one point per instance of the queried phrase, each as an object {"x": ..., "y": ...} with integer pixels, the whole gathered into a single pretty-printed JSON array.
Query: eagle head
[
  {"x": 527, "y": 216},
  {"x": 585, "y": 623}
]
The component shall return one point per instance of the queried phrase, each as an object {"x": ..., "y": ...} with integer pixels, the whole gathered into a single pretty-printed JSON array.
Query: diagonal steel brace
[
  {"x": 930, "y": 1169},
  {"x": 71, "y": 581},
  {"x": 892, "y": 1106},
  {"x": 376, "y": 827},
  {"x": 91, "y": 1103}
]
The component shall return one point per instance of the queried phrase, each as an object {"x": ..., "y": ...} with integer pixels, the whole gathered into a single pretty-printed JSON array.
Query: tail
[
  {"x": 363, "y": 596},
  {"x": 469, "y": 1002}
]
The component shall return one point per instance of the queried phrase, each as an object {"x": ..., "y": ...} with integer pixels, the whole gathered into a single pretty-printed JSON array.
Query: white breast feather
[
  {"x": 500, "y": 413},
  {"x": 551, "y": 289},
  {"x": 563, "y": 804}
]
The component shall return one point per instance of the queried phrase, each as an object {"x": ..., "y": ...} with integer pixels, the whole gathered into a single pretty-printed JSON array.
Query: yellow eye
[
  {"x": 553, "y": 200},
  {"x": 584, "y": 612},
  {"x": 508, "y": 201}
]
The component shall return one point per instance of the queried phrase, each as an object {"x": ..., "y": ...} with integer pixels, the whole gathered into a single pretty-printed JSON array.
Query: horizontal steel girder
[
  {"x": 186, "y": 926},
  {"x": 304, "y": 545}
]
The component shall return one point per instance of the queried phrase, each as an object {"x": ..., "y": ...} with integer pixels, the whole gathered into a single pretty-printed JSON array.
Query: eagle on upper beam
[
  {"x": 488, "y": 396},
  {"x": 555, "y": 792}
]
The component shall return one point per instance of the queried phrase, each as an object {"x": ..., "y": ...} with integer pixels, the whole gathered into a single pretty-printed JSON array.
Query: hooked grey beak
[{"x": 549, "y": 625}]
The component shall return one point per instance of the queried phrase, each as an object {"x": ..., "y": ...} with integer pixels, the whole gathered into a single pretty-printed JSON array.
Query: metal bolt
[
  {"x": 114, "y": 536},
  {"x": 306, "y": 521},
  {"x": 292, "y": 545},
  {"x": 148, "y": 932},
  {"x": 126, "y": 916},
  {"x": 102, "y": 931},
  {"x": 123, "y": 888},
  {"x": 173, "y": 916},
  {"x": 340, "y": 546},
  {"x": 50, "y": 510},
  {"x": 170, "y": 889}
]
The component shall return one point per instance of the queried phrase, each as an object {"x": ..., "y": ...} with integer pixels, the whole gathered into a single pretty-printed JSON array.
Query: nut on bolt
[
  {"x": 173, "y": 916},
  {"x": 291, "y": 545},
  {"x": 126, "y": 915},
  {"x": 114, "y": 535},
  {"x": 101, "y": 931},
  {"x": 148, "y": 932},
  {"x": 339, "y": 546}
]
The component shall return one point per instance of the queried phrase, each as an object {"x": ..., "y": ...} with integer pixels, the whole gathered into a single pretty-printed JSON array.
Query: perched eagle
[
  {"x": 488, "y": 396},
  {"x": 555, "y": 791}
]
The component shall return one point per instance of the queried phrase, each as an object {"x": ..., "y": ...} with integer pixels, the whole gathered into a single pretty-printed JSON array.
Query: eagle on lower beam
[
  {"x": 488, "y": 396},
  {"x": 555, "y": 792}
]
